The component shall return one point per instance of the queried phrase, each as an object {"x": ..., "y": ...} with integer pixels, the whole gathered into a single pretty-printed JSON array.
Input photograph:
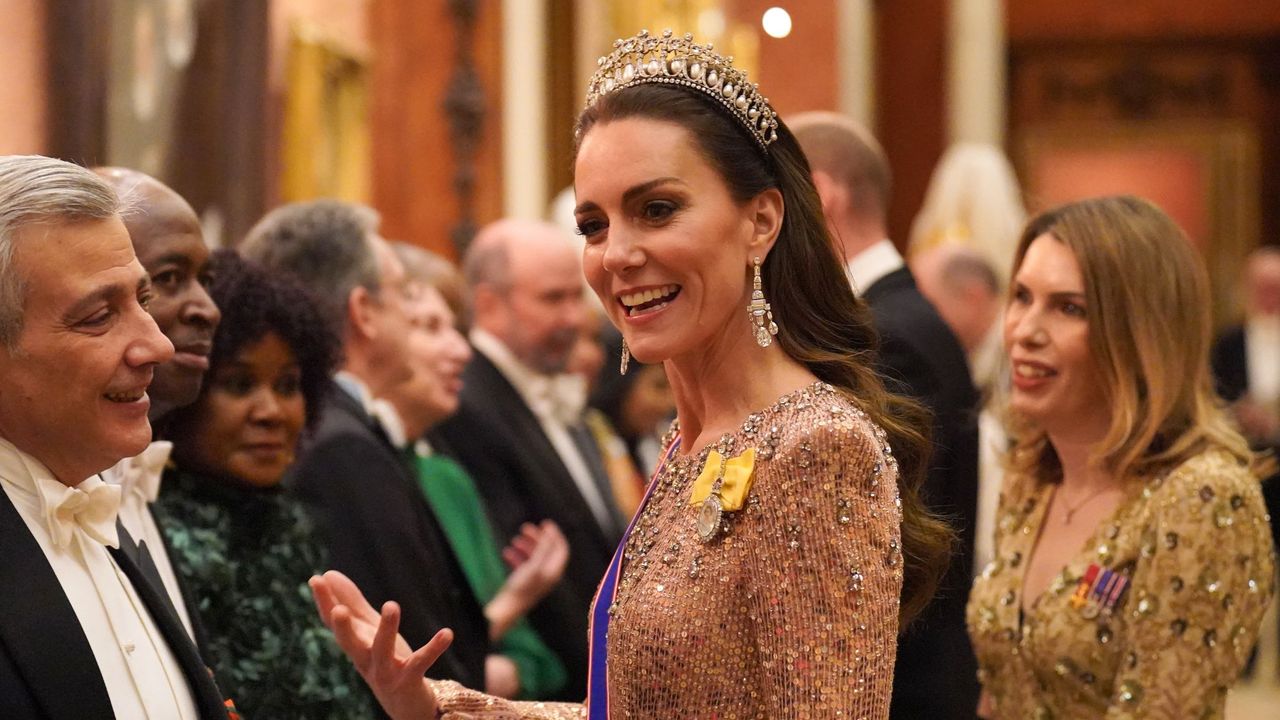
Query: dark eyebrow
[
  {"x": 1066, "y": 295},
  {"x": 1074, "y": 296},
  {"x": 631, "y": 193},
  {"x": 175, "y": 258},
  {"x": 105, "y": 293}
]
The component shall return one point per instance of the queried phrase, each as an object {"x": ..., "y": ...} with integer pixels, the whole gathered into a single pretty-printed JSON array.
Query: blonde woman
[{"x": 1133, "y": 554}]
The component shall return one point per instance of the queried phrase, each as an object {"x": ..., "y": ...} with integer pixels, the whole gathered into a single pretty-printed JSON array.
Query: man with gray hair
[
  {"x": 359, "y": 484},
  {"x": 519, "y": 430},
  {"x": 85, "y": 628}
]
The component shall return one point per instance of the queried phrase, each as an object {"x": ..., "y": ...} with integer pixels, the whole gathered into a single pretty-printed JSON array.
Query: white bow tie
[
  {"x": 562, "y": 397},
  {"x": 91, "y": 507}
]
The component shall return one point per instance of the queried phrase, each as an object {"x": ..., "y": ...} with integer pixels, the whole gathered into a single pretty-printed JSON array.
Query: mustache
[{"x": 566, "y": 336}]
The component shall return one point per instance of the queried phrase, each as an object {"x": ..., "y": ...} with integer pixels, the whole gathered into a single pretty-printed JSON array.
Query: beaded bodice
[
  {"x": 1155, "y": 617},
  {"x": 791, "y": 609}
]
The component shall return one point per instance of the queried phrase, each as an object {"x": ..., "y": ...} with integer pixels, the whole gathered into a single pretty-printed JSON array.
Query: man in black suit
[
  {"x": 379, "y": 528},
  {"x": 86, "y": 627},
  {"x": 935, "y": 677},
  {"x": 519, "y": 429}
]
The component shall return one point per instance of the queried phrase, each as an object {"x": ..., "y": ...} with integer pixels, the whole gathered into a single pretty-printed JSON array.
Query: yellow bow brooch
[{"x": 721, "y": 486}]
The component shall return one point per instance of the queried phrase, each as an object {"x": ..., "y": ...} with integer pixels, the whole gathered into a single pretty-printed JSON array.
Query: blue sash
[{"x": 598, "y": 668}]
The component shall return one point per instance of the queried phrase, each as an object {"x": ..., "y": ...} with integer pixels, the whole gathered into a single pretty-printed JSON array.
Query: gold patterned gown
[
  {"x": 791, "y": 611},
  {"x": 1194, "y": 548}
]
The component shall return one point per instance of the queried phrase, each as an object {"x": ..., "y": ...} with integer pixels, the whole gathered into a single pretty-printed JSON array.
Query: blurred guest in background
[
  {"x": 920, "y": 357},
  {"x": 243, "y": 547},
  {"x": 1133, "y": 553},
  {"x": 639, "y": 404},
  {"x": 362, "y": 490},
  {"x": 1246, "y": 358},
  {"x": 519, "y": 431},
  {"x": 962, "y": 285},
  {"x": 521, "y": 664},
  {"x": 974, "y": 201},
  {"x": 588, "y": 361},
  {"x": 1246, "y": 364}
]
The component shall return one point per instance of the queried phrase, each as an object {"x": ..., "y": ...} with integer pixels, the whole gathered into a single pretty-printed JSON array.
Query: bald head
[
  {"x": 963, "y": 287},
  {"x": 156, "y": 208},
  {"x": 849, "y": 158},
  {"x": 525, "y": 280},
  {"x": 168, "y": 241}
]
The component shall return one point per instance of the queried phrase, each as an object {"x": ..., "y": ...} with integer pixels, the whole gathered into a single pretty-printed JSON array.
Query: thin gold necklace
[{"x": 1069, "y": 512}]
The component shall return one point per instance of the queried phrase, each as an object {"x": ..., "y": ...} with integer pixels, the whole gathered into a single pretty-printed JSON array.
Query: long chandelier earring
[
  {"x": 626, "y": 358},
  {"x": 760, "y": 312}
]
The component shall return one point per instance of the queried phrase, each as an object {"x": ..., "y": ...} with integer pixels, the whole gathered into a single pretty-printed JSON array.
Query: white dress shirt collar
[
  {"x": 356, "y": 388},
  {"x": 90, "y": 507},
  {"x": 139, "y": 478},
  {"x": 142, "y": 677},
  {"x": 872, "y": 264},
  {"x": 561, "y": 397},
  {"x": 392, "y": 424},
  {"x": 1262, "y": 358},
  {"x": 557, "y": 403}
]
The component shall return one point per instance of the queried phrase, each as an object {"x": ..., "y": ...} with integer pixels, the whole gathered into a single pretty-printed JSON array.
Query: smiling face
[
  {"x": 438, "y": 353},
  {"x": 669, "y": 250},
  {"x": 1056, "y": 381},
  {"x": 246, "y": 425},
  {"x": 73, "y": 394}
]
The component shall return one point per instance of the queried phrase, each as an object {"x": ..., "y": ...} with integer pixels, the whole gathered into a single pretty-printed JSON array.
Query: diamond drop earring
[{"x": 760, "y": 312}]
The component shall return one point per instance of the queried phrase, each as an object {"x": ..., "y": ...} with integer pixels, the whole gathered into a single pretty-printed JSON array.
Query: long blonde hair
[{"x": 1149, "y": 332}]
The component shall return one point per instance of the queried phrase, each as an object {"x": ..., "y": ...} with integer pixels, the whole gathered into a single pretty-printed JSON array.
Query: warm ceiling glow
[{"x": 776, "y": 22}]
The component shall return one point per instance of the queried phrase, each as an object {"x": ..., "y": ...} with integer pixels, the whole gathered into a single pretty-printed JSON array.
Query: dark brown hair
[{"x": 821, "y": 324}]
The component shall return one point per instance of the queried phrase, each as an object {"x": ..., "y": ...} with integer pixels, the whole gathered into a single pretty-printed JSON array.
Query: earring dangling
[
  {"x": 626, "y": 358},
  {"x": 760, "y": 312}
]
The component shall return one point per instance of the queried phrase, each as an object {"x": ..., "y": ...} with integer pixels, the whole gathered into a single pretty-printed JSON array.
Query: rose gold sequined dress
[
  {"x": 1196, "y": 548},
  {"x": 791, "y": 611}
]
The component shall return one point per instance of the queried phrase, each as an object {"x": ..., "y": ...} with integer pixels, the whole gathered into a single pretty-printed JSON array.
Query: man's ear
[
  {"x": 767, "y": 213},
  {"x": 361, "y": 308},
  {"x": 834, "y": 195},
  {"x": 484, "y": 298}
]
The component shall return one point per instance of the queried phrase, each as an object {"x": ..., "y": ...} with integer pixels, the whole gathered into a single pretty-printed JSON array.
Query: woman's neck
[
  {"x": 718, "y": 386},
  {"x": 1081, "y": 475}
]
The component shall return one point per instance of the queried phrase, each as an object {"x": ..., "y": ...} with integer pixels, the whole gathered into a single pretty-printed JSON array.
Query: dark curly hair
[{"x": 255, "y": 302}]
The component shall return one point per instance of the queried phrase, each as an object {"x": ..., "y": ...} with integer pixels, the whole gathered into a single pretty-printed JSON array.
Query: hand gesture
[
  {"x": 537, "y": 557},
  {"x": 392, "y": 669}
]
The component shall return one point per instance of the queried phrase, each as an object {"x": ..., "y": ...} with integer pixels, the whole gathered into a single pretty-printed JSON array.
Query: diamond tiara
[{"x": 672, "y": 60}]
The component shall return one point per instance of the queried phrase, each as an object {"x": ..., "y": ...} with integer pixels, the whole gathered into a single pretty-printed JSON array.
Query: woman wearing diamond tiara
[
  {"x": 782, "y": 543},
  {"x": 1133, "y": 555}
]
